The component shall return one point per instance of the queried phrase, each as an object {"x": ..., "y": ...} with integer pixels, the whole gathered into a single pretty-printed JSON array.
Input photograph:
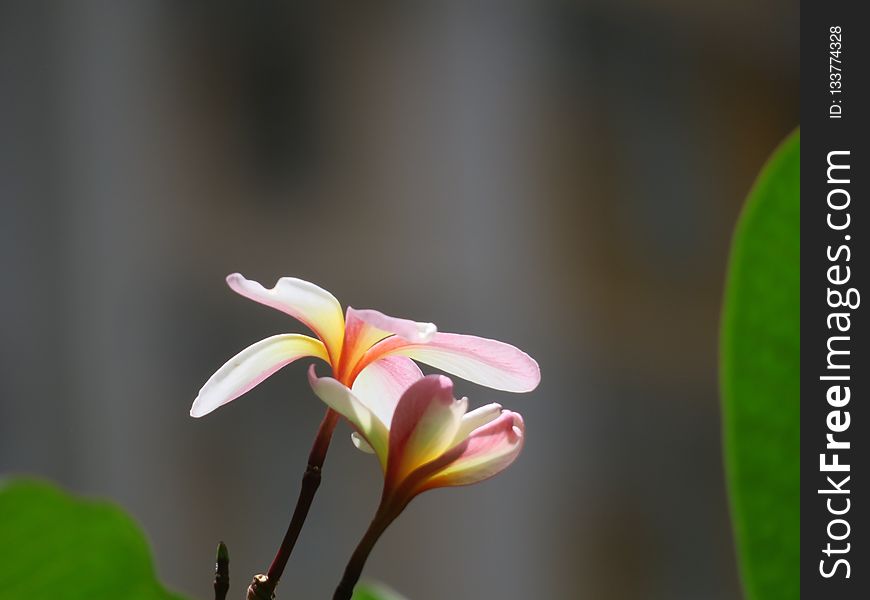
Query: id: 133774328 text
[{"x": 835, "y": 72}]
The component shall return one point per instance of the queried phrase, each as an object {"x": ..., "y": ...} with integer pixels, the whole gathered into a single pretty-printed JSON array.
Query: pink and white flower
[
  {"x": 369, "y": 353},
  {"x": 425, "y": 438}
]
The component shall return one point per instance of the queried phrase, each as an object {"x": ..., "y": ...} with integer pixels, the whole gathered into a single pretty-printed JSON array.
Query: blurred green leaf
[
  {"x": 760, "y": 379},
  {"x": 371, "y": 591},
  {"x": 57, "y": 546}
]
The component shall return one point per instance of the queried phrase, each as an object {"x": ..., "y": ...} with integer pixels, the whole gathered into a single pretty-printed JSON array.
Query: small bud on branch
[{"x": 222, "y": 572}]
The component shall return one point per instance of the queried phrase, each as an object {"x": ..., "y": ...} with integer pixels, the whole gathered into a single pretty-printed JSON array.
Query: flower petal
[
  {"x": 314, "y": 306},
  {"x": 412, "y": 331},
  {"x": 480, "y": 360},
  {"x": 487, "y": 451},
  {"x": 343, "y": 401},
  {"x": 365, "y": 328},
  {"x": 476, "y": 418},
  {"x": 360, "y": 443},
  {"x": 380, "y": 385},
  {"x": 251, "y": 366},
  {"x": 424, "y": 425}
]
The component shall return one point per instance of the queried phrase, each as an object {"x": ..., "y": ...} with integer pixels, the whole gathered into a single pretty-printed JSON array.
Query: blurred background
[{"x": 563, "y": 176}]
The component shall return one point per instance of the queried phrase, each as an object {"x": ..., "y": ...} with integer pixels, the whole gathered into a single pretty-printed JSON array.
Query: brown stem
[
  {"x": 310, "y": 483},
  {"x": 354, "y": 568},
  {"x": 260, "y": 589}
]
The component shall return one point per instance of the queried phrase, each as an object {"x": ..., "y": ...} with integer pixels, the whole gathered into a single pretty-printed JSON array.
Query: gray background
[{"x": 561, "y": 176}]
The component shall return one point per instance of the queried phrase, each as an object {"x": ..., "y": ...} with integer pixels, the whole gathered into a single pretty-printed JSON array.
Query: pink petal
[
  {"x": 380, "y": 385},
  {"x": 487, "y": 362},
  {"x": 486, "y": 452},
  {"x": 412, "y": 331},
  {"x": 365, "y": 328},
  {"x": 251, "y": 366},
  {"x": 314, "y": 306},
  {"x": 424, "y": 425}
]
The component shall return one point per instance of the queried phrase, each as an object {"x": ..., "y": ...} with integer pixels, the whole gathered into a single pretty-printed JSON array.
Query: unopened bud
[{"x": 222, "y": 572}]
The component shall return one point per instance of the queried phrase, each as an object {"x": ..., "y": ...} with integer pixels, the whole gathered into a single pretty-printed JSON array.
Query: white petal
[
  {"x": 342, "y": 400},
  {"x": 361, "y": 444},
  {"x": 251, "y": 366},
  {"x": 476, "y": 418},
  {"x": 314, "y": 306}
]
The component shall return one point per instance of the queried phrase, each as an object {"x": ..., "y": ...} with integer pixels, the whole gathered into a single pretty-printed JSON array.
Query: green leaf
[
  {"x": 760, "y": 380},
  {"x": 57, "y": 546},
  {"x": 371, "y": 591}
]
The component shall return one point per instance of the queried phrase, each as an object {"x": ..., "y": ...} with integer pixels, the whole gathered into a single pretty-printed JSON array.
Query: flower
[
  {"x": 425, "y": 438},
  {"x": 368, "y": 352}
]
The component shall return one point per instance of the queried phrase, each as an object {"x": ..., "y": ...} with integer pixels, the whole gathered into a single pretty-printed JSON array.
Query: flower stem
[
  {"x": 310, "y": 483},
  {"x": 354, "y": 568}
]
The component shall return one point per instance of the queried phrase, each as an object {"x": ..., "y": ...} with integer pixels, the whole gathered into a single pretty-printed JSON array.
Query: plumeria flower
[
  {"x": 424, "y": 439},
  {"x": 367, "y": 351},
  {"x": 372, "y": 355}
]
